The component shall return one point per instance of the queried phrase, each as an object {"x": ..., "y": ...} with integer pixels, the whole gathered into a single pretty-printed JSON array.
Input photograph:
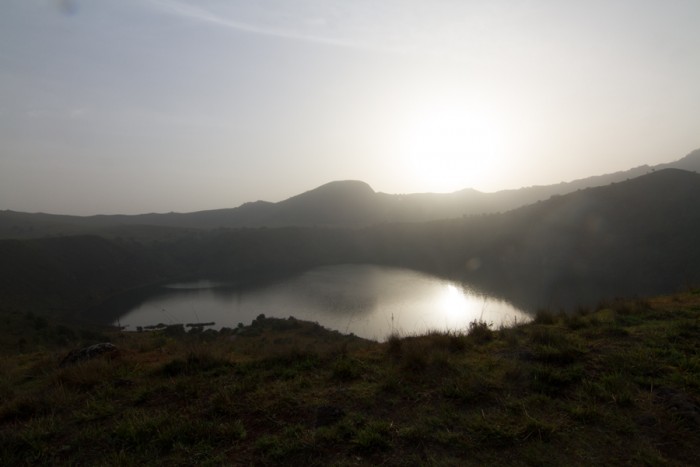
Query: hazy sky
[{"x": 129, "y": 106}]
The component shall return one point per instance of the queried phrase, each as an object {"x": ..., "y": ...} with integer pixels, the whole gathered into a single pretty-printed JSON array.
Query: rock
[{"x": 87, "y": 353}]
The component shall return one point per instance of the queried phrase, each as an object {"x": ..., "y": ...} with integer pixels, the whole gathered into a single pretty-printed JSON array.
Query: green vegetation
[{"x": 618, "y": 384}]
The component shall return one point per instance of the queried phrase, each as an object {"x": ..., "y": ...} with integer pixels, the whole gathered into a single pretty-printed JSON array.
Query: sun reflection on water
[
  {"x": 458, "y": 307},
  {"x": 453, "y": 302}
]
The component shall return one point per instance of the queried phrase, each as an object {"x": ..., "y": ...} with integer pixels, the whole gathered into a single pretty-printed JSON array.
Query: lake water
[{"x": 369, "y": 301}]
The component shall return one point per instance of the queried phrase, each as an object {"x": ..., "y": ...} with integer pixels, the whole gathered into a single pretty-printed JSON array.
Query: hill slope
[
  {"x": 336, "y": 204},
  {"x": 633, "y": 237}
]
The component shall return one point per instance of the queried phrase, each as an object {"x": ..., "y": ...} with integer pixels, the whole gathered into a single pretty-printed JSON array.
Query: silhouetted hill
[
  {"x": 341, "y": 203},
  {"x": 634, "y": 237},
  {"x": 336, "y": 204},
  {"x": 691, "y": 163}
]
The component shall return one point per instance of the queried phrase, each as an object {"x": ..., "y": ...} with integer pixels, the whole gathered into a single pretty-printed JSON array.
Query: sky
[{"x": 134, "y": 106}]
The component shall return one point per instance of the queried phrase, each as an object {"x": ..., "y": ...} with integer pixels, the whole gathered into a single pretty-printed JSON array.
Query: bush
[
  {"x": 394, "y": 345},
  {"x": 545, "y": 317},
  {"x": 174, "y": 330},
  {"x": 480, "y": 331}
]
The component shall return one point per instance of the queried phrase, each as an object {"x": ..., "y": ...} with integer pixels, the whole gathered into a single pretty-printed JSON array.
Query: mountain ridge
[{"x": 344, "y": 203}]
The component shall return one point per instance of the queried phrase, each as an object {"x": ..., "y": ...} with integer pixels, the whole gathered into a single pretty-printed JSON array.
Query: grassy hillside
[{"x": 619, "y": 384}]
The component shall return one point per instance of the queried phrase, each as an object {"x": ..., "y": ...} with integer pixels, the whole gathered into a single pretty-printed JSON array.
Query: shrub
[
  {"x": 394, "y": 345},
  {"x": 480, "y": 331},
  {"x": 174, "y": 330},
  {"x": 545, "y": 317},
  {"x": 457, "y": 343},
  {"x": 414, "y": 358}
]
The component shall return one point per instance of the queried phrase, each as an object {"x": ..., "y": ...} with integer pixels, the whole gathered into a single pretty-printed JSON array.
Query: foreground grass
[{"x": 615, "y": 385}]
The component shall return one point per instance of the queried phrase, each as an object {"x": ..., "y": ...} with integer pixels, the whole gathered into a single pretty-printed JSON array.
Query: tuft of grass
[
  {"x": 544, "y": 316},
  {"x": 373, "y": 437},
  {"x": 346, "y": 369},
  {"x": 480, "y": 332},
  {"x": 470, "y": 389},
  {"x": 553, "y": 380},
  {"x": 196, "y": 362},
  {"x": 394, "y": 345},
  {"x": 284, "y": 447},
  {"x": 415, "y": 357}
]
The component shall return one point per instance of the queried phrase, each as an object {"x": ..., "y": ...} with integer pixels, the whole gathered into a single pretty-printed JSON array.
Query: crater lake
[{"x": 369, "y": 301}]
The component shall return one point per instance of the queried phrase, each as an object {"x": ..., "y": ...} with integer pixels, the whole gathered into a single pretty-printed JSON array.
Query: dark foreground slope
[{"x": 619, "y": 385}]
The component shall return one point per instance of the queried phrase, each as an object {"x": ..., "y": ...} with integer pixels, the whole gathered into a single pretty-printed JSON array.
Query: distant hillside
[
  {"x": 636, "y": 237},
  {"x": 691, "y": 163},
  {"x": 68, "y": 274},
  {"x": 336, "y": 204}
]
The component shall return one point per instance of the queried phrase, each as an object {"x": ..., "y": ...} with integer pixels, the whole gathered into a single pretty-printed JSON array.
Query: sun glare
[
  {"x": 454, "y": 304},
  {"x": 447, "y": 148}
]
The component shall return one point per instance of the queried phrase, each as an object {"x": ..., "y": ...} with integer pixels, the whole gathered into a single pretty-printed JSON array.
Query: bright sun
[{"x": 447, "y": 148}]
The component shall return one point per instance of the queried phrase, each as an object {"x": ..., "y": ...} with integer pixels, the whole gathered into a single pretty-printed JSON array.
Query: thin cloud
[
  {"x": 37, "y": 113},
  {"x": 200, "y": 14}
]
